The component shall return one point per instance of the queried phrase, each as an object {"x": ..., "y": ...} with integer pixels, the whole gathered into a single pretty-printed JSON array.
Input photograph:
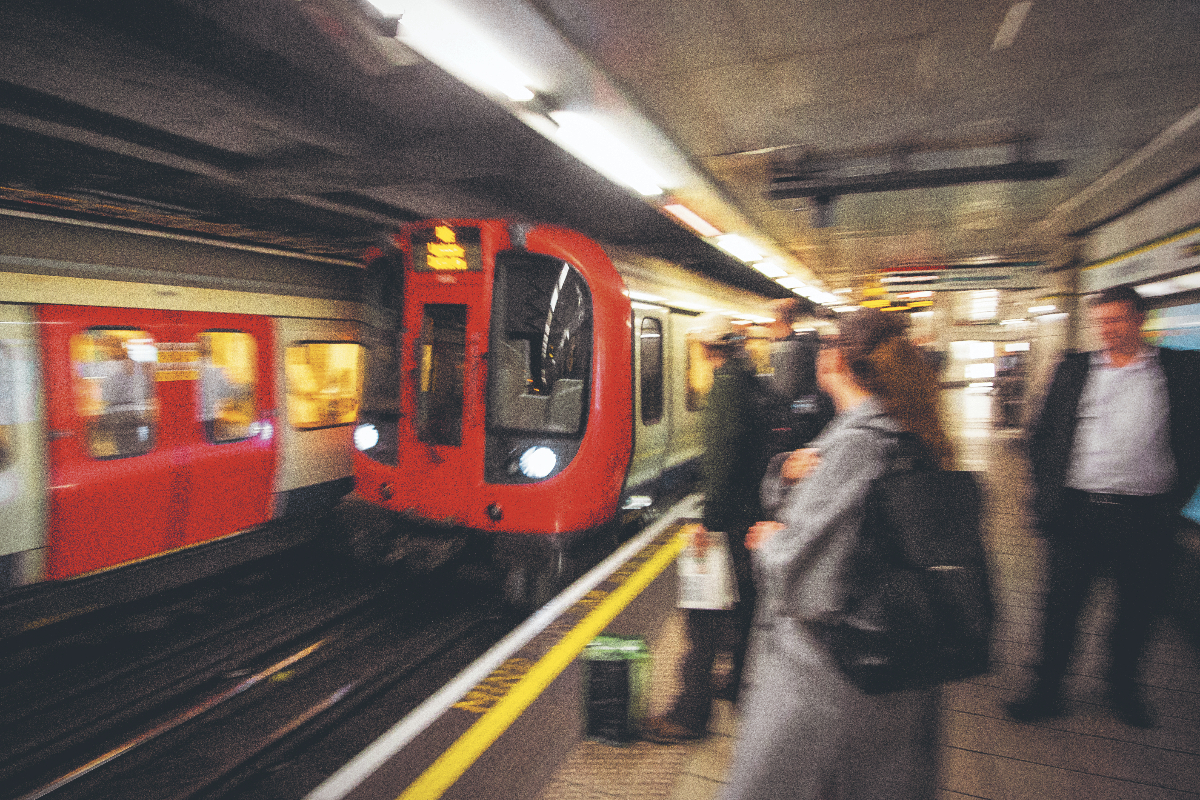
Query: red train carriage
[
  {"x": 144, "y": 419},
  {"x": 498, "y": 393}
]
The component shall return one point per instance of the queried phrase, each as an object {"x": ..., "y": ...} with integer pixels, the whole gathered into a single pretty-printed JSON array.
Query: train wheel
[{"x": 535, "y": 581}]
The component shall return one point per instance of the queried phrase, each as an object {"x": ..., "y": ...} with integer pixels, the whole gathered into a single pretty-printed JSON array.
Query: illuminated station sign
[{"x": 446, "y": 249}]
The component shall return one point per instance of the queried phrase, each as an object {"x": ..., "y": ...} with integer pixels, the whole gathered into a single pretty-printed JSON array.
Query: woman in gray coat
[{"x": 806, "y": 732}]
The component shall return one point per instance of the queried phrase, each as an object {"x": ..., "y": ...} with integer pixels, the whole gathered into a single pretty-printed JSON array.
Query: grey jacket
[{"x": 800, "y": 570}]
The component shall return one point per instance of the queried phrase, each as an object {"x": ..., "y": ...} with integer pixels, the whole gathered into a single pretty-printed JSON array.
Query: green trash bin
[{"x": 616, "y": 675}]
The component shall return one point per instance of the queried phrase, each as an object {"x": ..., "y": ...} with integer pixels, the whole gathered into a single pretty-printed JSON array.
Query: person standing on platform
[
  {"x": 731, "y": 471},
  {"x": 1115, "y": 455},
  {"x": 806, "y": 731},
  {"x": 797, "y": 409}
]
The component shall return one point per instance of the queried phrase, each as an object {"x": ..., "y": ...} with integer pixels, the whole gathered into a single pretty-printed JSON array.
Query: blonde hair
[{"x": 883, "y": 360}]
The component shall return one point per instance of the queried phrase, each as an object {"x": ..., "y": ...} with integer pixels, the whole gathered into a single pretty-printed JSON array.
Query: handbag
[{"x": 918, "y": 607}]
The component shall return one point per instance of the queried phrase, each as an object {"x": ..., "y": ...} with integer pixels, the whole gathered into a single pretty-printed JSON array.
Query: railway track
[{"x": 234, "y": 681}]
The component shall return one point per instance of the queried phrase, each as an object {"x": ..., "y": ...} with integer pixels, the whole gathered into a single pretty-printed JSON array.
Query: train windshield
[{"x": 541, "y": 345}]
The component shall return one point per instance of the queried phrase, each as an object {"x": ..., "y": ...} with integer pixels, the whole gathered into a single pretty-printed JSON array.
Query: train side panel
[{"x": 22, "y": 450}]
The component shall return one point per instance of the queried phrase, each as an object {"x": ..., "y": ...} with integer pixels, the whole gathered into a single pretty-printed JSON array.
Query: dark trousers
[
  {"x": 1128, "y": 539},
  {"x": 709, "y": 632}
]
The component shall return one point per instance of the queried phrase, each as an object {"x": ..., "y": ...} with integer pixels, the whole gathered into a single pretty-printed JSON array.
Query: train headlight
[
  {"x": 366, "y": 436},
  {"x": 537, "y": 462}
]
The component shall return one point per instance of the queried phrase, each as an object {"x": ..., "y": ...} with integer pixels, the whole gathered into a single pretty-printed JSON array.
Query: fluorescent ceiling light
[
  {"x": 1016, "y": 347},
  {"x": 771, "y": 269},
  {"x": 921, "y": 278},
  {"x": 740, "y": 247},
  {"x": 913, "y": 295},
  {"x": 454, "y": 44},
  {"x": 1180, "y": 283},
  {"x": 1041, "y": 309},
  {"x": 790, "y": 282},
  {"x": 1011, "y": 25},
  {"x": 691, "y": 219},
  {"x": 844, "y": 309},
  {"x": 589, "y": 141}
]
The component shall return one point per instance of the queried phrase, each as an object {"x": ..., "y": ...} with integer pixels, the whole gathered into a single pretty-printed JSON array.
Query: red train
[
  {"x": 160, "y": 397},
  {"x": 517, "y": 388}
]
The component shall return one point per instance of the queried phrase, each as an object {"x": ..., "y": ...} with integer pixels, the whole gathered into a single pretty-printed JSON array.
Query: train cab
[{"x": 498, "y": 386}]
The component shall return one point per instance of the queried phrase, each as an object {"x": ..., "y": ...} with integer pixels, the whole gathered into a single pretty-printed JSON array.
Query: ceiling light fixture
[
  {"x": 588, "y": 141},
  {"x": 450, "y": 41},
  {"x": 691, "y": 219},
  {"x": 791, "y": 283},
  {"x": 771, "y": 269},
  {"x": 1011, "y": 25},
  {"x": 740, "y": 247}
]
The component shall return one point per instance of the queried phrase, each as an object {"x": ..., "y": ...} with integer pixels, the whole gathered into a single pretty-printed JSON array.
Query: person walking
[
  {"x": 1115, "y": 455},
  {"x": 806, "y": 731}
]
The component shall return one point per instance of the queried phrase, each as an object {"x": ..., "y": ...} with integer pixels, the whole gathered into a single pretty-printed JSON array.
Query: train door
[
  {"x": 228, "y": 416},
  {"x": 319, "y": 376},
  {"x": 651, "y": 410},
  {"x": 22, "y": 453},
  {"x": 112, "y": 460}
]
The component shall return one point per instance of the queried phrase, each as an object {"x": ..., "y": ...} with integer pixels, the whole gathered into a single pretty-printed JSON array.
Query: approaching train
[
  {"x": 522, "y": 388},
  {"x": 162, "y": 400}
]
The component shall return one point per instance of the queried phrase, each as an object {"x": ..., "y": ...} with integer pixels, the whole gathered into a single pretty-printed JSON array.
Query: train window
[
  {"x": 228, "y": 372},
  {"x": 699, "y": 375},
  {"x": 440, "y": 388},
  {"x": 115, "y": 393},
  {"x": 651, "y": 370},
  {"x": 541, "y": 345},
  {"x": 380, "y": 414},
  {"x": 323, "y": 384}
]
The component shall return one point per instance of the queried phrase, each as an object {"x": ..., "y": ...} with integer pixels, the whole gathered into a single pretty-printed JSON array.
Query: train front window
[
  {"x": 441, "y": 351},
  {"x": 115, "y": 390},
  {"x": 227, "y": 373},
  {"x": 541, "y": 345},
  {"x": 323, "y": 384}
]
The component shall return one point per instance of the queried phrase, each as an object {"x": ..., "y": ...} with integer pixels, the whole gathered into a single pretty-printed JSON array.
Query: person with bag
[
  {"x": 807, "y": 730},
  {"x": 731, "y": 473}
]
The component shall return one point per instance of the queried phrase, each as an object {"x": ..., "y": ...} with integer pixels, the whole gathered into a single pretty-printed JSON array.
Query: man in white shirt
[{"x": 1114, "y": 457}]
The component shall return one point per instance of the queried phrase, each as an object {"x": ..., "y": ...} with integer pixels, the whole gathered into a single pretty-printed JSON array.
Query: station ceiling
[{"x": 842, "y": 136}]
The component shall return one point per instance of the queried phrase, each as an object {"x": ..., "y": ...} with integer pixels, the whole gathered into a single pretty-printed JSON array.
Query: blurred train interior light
[
  {"x": 1046, "y": 309},
  {"x": 1016, "y": 347},
  {"x": 690, "y": 218},
  {"x": 791, "y": 283},
  {"x": 537, "y": 462}
]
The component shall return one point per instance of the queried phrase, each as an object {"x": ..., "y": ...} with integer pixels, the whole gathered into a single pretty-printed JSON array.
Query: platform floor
[{"x": 1087, "y": 754}]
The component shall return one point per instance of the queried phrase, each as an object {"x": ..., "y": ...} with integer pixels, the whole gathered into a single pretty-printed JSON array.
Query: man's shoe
[
  {"x": 663, "y": 731},
  {"x": 1036, "y": 706},
  {"x": 1130, "y": 709}
]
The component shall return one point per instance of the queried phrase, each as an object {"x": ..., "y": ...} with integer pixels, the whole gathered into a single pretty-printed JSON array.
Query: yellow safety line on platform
[{"x": 442, "y": 774}]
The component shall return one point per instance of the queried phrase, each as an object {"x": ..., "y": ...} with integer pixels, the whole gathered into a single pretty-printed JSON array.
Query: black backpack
[{"x": 919, "y": 608}]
